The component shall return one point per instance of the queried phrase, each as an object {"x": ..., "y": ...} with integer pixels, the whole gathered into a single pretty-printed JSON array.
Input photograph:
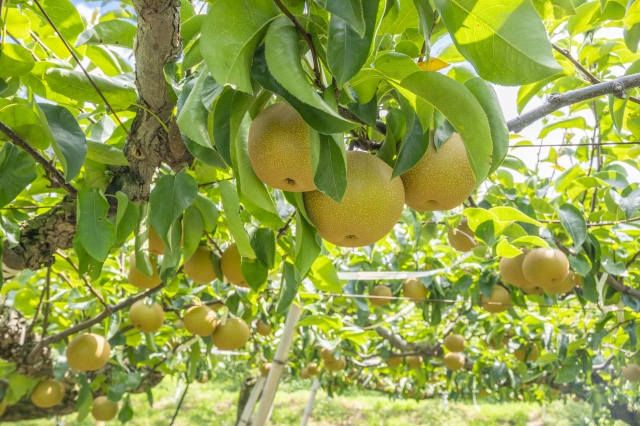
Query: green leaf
[
  {"x": 349, "y": 11},
  {"x": 15, "y": 60},
  {"x": 629, "y": 204},
  {"x": 17, "y": 170},
  {"x": 67, "y": 138},
  {"x": 331, "y": 174},
  {"x": 172, "y": 253},
  {"x": 319, "y": 120},
  {"x": 105, "y": 154},
  {"x": 170, "y": 197},
  {"x": 288, "y": 287},
  {"x": 567, "y": 123},
  {"x": 504, "y": 249},
  {"x": 74, "y": 84},
  {"x": 347, "y": 51},
  {"x": 114, "y": 32},
  {"x": 86, "y": 263},
  {"x": 143, "y": 264},
  {"x": 488, "y": 99},
  {"x": 510, "y": 214},
  {"x": 255, "y": 273},
  {"x": 283, "y": 58},
  {"x": 589, "y": 15},
  {"x": 209, "y": 212},
  {"x": 126, "y": 218},
  {"x": 191, "y": 28},
  {"x": 324, "y": 276},
  {"x": 95, "y": 231},
  {"x": 65, "y": 16},
  {"x": 307, "y": 247},
  {"x": 222, "y": 124},
  {"x": 231, "y": 204},
  {"x": 230, "y": 34},
  {"x": 412, "y": 150},
  {"x": 573, "y": 222},
  {"x": 569, "y": 370},
  {"x": 263, "y": 243},
  {"x": 23, "y": 120},
  {"x": 511, "y": 34},
  {"x": 126, "y": 412},
  {"x": 466, "y": 115},
  {"x": 194, "y": 116},
  {"x": 399, "y": 19},
  {"x": 193, "y": 229},
  {"x": 425, "y": 12}
]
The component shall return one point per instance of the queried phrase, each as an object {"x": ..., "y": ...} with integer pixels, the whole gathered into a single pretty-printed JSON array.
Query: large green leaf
[
  {"x": 105, "y": 154},
  {"x": 324, "y": 275},
  {"x": 400, "y": 18},
  {"x": 67, "y": 138},
  {"x": 288, "y": 287},
  {"x": 490, "y": 103},
  {"x": 231, "y": 204},
  {"x": 307, "y": 247},
  {"x": 64, "y": 15},
  {"x": 17, "y": 170},
  {"x": 331, "y": 173},
  {"x": 15, "y": 60},
  {"x": 23, "y": 120},
  {"x": 465, "y": 114},
  {"x": 347, "y": 51},
  {"x": 126, "y": 218},
  {"x": 412, "y": 149},
  {"x": 95, "y": 231},
  {"x": 114, "y": 32},
  {"x": 194, "y": 116},
  {"x": 74, "y": 84},
  {"x": 322, "y": 121},
  {"x": 573, "y": 222},
  {"x": 170, "y": 197},
  {"x": 349, "y": 11},
  {"x": 510, "y": 33},
  {"x": 230, "y": 34}
]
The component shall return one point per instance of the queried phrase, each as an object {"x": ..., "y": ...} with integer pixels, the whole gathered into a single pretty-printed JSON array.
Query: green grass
[{"x": 214, "y": 403}]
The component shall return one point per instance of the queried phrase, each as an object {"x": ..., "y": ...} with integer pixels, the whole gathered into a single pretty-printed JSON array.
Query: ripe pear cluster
[
  {"x": 311, "y": 370},
  {"x": 540, "y": 270},
  {"x": 201, "y": 320},
  {"x": 331, "y": 363},
  {"x": 454, "y": 360},
  {"x": 281, "y": 152}
]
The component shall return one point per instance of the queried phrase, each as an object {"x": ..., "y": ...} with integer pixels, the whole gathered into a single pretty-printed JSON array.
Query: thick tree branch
[
  {"x": 556, "y": 101},
  {"x": 425, "y": 349},
  {"x": 90, "y": 322},
  {"x": 57, "y": 177}
]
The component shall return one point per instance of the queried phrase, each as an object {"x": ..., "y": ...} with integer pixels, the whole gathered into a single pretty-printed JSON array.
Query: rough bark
[
  {"x": 623, "y": 412},
  {"x": 245, "y": 392}
]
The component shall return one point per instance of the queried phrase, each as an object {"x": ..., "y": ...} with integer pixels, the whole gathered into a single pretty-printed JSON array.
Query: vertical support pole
[
  {"x": 247, "y": 412},
  {"x": 277, "y": 367},
  {"x": 309, "y": 409}
]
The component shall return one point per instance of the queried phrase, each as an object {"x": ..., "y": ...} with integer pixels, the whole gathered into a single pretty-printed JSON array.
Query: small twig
[
  {"x": 212, "y": 182},
  {"x": 307, "y": 38},
  {"x": 595, "y": 224},
  {"x": 84, "y": 70},
  {"x": 40, "y": 303},
  {"x": 213, "y": 242},
  {"x": 633, "y": 258},
  {"x": 472, "y": 202},
  {"x": 84, "y": 278},
  {"x": 185, "y": 307},
  {"x": 282, "y": 231},
  {"x": 47, "y": 306},
  {"x": 179, "y": 405},
  {"x": 381, "y": 126},
  {"x": 56, "y": 174}
]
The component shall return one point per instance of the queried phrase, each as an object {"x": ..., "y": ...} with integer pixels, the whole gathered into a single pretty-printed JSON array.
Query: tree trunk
[{"x": 245, "y": 392}]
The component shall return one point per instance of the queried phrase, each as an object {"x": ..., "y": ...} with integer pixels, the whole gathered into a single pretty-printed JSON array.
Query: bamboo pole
[
  {"x": 245, "y": 419},
  {"x": 309, "y": 409},
  {"x": 277, "y": 367}
]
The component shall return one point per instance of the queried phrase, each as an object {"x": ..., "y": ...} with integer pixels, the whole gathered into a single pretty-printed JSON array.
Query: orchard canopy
[{"x": 176, "y": 177}]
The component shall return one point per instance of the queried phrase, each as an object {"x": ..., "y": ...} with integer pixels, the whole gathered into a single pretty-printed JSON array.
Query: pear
[
  {"x": 442, "y": 179},
  {"x": 140, "y": 280},
  {"x": 499, "y": 301},
  {"x": 279, "y": 149},
  {"x": 304, "y": 373},
  {"x": 545, "y": 267},
  {"x": 462, "y": 238},
  {"x": 414, "y": 289},
  {"x": 567, "y": 285},
  {"x": 200, "y": 320},
  {"x": 511, "y": 270},
  {"x": 327, "y": 355},
  {"x": 527, "y": 352},
  {"x": 231, "y": 265},
  {"x": 265, "y": 368},
  {"x": 199, "y": 266},
  {"x": 313, "y": 369},
  {"x": 382, "y": 293},
  {"x": 394, "y": 361},
  {"x": 47, "y": 394},
  {"x": 414, "y": 361},
  {"x": 263, "y": 328},
  {"x": 146, "y": 318},
  {"x": 336, "y": 365},
  {"x": 534, "y": 291},
  {"x": 631, "y": 372},
  {"x": 234, "y": 334},
  {"x": 88, "y": 352},
  {"x": 454, "y": 361},
  {"x": 370, "y": 208},
  {"x": 454, "y": 342},
  {"x": 156, "y": 244},
  {"x": 104, "y": 410}
]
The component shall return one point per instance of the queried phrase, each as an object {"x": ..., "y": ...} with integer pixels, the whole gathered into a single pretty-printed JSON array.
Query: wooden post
[
  {"x": 309, "y": 409},
  {"x": 277, "y": 367},
  {"x": 247, "y": 412}
]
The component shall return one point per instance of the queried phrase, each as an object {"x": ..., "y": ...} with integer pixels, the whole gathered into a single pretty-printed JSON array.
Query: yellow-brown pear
[
  {"x": 567, "y": 285},
  {"x": 394, "y": 361},
  {"x": 234, "y": 334},
  {"x": 47, "y": 394},
  {"x": 499, "y": 301},
  {"x": 104, "y": 410},
  {"x": 414, "y": 289},
  {"x": 200, "y": 320},
  {"x": 631, "y": 372},
  {"x": 381, "y": 294},
  {"x": 231, "y": 265},
  {"x": 462, "y": 238},
  {"x": 146, "y": 318},
  {"x": 304, "y": 373},
  {"x": 454, "y": 342},
  {"x": 265, "y": 368},
  {"x": 327, "y": 355},
  {"x": 414, "y": 361},
  {"x": 336, "y": 365},
  {"x": 88, "y": 352},
  {"x": 279, "y": 149},
  {"x": 371, "y": 205},
  {"x": 527, "y": 353},
  {"x": 199, "y": 266},
  {"x": 454, "y": 361},
  {"x": 156, "y": 245},
  {"x": 511, "y": 270},
  {"x": 545, "y": 267},
  {"x": 442, "y": 179},
  {"x": 263, "y": 328},
  {"x": 140, "y": 280}
]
